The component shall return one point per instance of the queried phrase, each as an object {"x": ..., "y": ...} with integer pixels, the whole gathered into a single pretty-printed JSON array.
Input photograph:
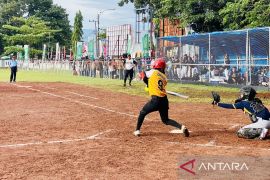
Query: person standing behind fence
[
  {"x": 13, "y": 67},
  {"x": 129, "y": 65}
]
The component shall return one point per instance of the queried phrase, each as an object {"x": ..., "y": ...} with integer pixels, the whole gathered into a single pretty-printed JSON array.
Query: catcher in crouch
[
  {"x": 258, "y": 113},
  {"x": 156, "y": 81}
]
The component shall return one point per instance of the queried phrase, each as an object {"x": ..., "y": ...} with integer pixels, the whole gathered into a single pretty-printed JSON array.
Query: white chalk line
[
  {"x": 79, "y": 102},
  {"x": 70, "y": 92},
  {"x": 46, "y": 87},
  {"x": 51, "y": 88},
  {"x": 93, "y": 137},
  {"x": 212, "y": 144},
  {"x": 235, "y": 126},
  {"x": 21, "y": 86},
  {"x": 106, "y": 109}
]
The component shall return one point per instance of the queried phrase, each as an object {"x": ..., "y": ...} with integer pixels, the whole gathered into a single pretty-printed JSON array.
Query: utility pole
[
  {"x": 98, "y": 15},
  {"x": 98, "y": 23}
]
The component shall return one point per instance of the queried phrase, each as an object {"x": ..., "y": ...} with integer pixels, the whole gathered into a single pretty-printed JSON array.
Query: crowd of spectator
[{"x": 185, "y": 68}]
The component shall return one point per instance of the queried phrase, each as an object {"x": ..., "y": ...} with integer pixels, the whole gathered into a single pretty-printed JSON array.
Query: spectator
[
  {"x": 120, "y": 66},
  {"x": 226, "y": 59},
  {"x": 111, "y": 69},
  {"x": 93, "y": 69},
  {"x": 212, "y": 59},
  {"x": 169, "y": 68},
  {"x": 178, "y": 69},
  {"x": 184, "y": 67},
  {"x": 234, "y": 76}
]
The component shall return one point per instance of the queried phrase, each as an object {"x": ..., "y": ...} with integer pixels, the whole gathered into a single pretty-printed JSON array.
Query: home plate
[{"x": 177, "y": 131}]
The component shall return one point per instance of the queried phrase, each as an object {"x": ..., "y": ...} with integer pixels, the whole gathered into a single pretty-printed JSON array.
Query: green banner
[
  {"x": 26, "y": 52},
  {"x": 20, "y": 53},
  {"x": 44, "y": 52},
  {"x": 79, "y": 50},
  {"x": 91, "y": 49},
  {"x": 146, "y": 45}
]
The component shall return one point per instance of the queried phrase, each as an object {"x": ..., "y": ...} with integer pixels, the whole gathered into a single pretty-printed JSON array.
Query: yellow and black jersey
[{"x": 157, "y": 82}]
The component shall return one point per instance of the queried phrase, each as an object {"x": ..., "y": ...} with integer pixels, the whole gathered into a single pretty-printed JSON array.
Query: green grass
[{"x": 197, "y": 93}]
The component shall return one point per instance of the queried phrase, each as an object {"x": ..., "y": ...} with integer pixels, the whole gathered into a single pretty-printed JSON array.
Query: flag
[
  {"x": 44, "y": 52},
  {"x": 26, "y": 52},
  {"x": 79, "y": 50}
]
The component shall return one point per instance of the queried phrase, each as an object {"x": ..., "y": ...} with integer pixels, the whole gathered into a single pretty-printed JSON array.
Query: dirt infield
[{"x": 68, "y": 131}]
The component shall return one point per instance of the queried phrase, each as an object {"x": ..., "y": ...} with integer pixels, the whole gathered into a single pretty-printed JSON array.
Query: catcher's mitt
[{"x": 216, "y": 98}]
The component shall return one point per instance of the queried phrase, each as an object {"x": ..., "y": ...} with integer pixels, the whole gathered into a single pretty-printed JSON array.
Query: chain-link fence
[
  {"x": 61, "y": 65},
  {"x": 113, "y": 69},
  {"x": 233, "y": 57}
]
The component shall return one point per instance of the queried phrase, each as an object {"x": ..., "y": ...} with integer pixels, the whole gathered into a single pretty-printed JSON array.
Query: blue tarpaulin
[{"x": 231, "y": 42}]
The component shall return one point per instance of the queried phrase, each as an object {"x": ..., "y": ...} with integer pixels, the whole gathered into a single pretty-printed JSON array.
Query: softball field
[{"x": 69, "y": 131}]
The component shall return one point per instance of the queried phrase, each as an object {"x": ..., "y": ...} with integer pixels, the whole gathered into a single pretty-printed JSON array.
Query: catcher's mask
[{"x": 247, "y": 93}]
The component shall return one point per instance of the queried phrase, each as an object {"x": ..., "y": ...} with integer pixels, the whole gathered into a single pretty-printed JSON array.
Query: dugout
[{"x": 229, "y": 57}]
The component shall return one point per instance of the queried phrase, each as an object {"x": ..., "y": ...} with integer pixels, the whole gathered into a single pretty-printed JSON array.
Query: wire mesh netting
[{"x": 233, "y": 57}]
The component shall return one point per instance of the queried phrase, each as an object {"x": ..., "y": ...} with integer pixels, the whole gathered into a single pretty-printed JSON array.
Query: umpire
[{"x": 13, "y": 67}]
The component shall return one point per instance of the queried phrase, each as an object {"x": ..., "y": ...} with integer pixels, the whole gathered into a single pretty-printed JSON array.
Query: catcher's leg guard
[{"x": 249, "y": 133}]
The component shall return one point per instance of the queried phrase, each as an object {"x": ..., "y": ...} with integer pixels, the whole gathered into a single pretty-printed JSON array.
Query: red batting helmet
[{"x": 159, "y": 64}]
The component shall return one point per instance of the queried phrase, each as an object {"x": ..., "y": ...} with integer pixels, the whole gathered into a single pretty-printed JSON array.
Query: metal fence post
[
  {"x": 180, "y": 55},
  {"x": 247, "y": 75},
  {"x": 249, "y": 60},
  {"x": 209, "y": 57},
  {"x": 269, "y": 59}
]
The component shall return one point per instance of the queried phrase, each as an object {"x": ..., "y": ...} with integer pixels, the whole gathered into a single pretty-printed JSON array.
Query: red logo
[{"x": 183, "y": 166}]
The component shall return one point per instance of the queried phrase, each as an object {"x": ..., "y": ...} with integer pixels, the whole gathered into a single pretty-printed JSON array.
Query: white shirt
[{"x": 129, "y": 64}]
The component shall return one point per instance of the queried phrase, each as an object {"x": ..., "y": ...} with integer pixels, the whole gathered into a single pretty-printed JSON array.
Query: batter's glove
[{"x": 216, "y": 98}]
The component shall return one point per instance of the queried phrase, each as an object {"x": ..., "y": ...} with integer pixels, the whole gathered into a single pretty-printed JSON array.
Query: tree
[
  {"x": 38, "y": 8},
  {"x": 8, "y": 9},
  {"x": 43, "y": 9},
  {"x": 58, "y": 19},
  {"x": 56, "y": 15},
  {"x": 260, "y": 14},
  {"x": 203, "y": 14},
  {"x": 31, "y": 31},
  {"x": 246, "y": 13},
  {"x": 77, "y": 32}
]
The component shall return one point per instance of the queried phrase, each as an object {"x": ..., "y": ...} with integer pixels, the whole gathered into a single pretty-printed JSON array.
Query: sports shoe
[
  {"x": 124, "y": 85},
  {"x": 264, "y": 133},
  {"x": 137, "y": 133},
  {"x": 129, "y": 84},
  {"x": 185, "y": 131}
]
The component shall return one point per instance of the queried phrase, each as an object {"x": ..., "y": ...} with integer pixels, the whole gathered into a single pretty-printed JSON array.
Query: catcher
[
  {"x": 258, "y": 113},
  {"x": 156, "y": 80}
]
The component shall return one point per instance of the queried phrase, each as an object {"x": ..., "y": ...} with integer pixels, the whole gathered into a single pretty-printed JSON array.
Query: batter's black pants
[
  {"x": 160, "y": 104},
  {"x": 13, "y": 74},
  {"x": 130, "y": 74}
]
